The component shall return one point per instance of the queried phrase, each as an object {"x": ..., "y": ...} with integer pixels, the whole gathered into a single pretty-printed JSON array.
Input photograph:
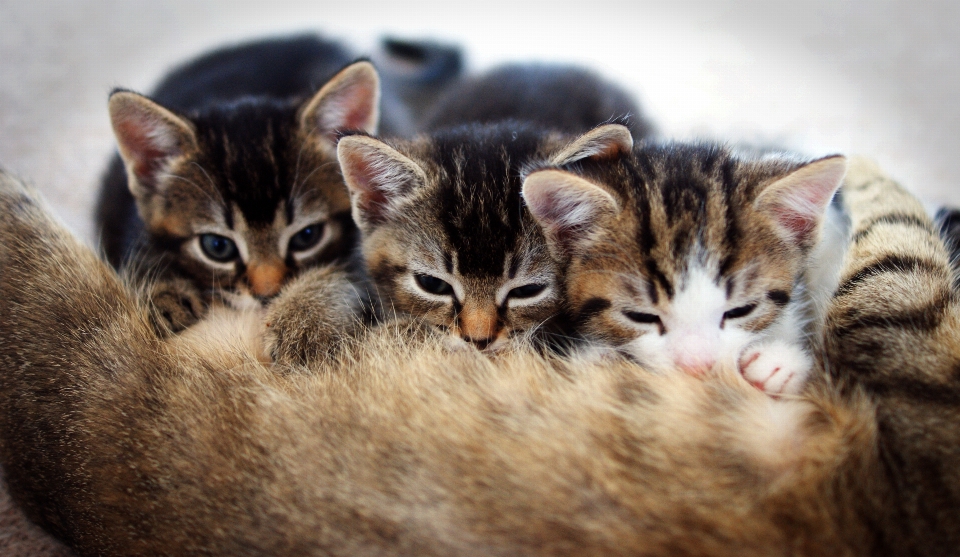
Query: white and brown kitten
[
  {"x": 445, "y": 234},
  {"x": 689, "y": 256}
]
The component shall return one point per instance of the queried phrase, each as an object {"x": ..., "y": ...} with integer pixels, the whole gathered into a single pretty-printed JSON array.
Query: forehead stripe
[{"x": 661, "y": 278}]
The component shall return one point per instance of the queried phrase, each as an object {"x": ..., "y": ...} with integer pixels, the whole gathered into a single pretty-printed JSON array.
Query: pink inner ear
[
  {"x": 353, "y": 107},
  {"x": 145, "y": 142},
  {"x": 800, "y": 225},
  {"x": 358, "y": 114},
  {"x": 802, "y": 200},
  {"x": 565, "y": 208},
  {"x": 371, "y": 200}
]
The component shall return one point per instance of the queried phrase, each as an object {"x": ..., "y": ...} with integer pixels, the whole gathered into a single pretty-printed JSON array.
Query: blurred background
[{"x": 875, "y": 78}]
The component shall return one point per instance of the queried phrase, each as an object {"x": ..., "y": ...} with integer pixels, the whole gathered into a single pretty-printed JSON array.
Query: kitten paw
[
  {"x": 176, "y": 304},
  {"x": 776, "y": 367},
  {"x": 312, "y": 317}
]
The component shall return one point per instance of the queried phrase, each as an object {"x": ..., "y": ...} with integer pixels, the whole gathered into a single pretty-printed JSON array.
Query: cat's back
[
  {"x": 280, "y": 67},
  {"x": 562, "y": 97}
]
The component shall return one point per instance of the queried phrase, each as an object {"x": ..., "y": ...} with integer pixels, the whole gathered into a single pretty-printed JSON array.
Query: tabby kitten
[
  {"x": 688, "y": 256},
  {"x": 445, "y": 235},
  {"x": 236, "y": 190}
]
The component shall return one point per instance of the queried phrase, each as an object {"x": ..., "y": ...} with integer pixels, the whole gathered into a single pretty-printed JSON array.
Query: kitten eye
[
  {"x": 433, "y": 285},
  {"x": 307, "y": 238},
  {"x": 640, "y": 317},
  {"x": 218, "y": 248},
  {"x": 741, "y": 311},
  {"x": 526, "y": 291}
]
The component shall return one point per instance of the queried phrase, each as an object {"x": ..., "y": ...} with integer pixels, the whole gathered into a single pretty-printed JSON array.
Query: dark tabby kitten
[
  {"x": 689, "y": 256},
  {"x": 559, "y": 97},
  {"x": 231, "y": 165},
  {"x": 445, "y": 234}
]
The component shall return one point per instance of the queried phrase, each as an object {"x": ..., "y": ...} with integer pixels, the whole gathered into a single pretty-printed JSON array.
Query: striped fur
[
  {"x": 445, "y": 234},
  {"x": 123, "y": 443},
  {"x": 689, "y": 256},
  {"x": 893, "y": 331},
  {"x": 237, "y": 193}
]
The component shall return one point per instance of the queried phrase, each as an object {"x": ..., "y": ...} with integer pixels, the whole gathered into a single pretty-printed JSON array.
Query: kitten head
[
  {"x": 445, "y": 233},
  {"x": 244, "y": 194},
  {"x": 683, "y": 255}
]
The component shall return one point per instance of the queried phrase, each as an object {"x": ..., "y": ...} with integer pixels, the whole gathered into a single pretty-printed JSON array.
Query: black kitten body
[{"x": 559, "y": 97}]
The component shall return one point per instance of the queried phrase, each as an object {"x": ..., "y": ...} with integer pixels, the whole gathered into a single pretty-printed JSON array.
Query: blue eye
[
  {"x": 218, "y": 248},
  {"x": 526, "y": 291},
  {"x": 307, "y": 238},
  {"x": 433, "y": 285}
]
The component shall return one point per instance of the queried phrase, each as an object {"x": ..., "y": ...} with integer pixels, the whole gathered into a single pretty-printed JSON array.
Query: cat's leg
[
  {"x": 313, "y": 315},
  {"x": 175, "y": 304}
]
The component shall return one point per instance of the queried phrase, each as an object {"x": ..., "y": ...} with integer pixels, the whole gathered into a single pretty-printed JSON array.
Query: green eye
[
  {"x": 433, "y": 285},
  {"x": 218, "y": 248},
  {"x": 526, "y": 291},
  {"x": 307, "y": 238}
]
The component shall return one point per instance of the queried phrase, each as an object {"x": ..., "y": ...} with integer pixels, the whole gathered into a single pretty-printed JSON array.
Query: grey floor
[{"x": 874, "y": 78}]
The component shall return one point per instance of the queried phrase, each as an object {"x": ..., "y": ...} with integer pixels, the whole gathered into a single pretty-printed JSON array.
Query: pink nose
[{"x": 695, "y": 363}]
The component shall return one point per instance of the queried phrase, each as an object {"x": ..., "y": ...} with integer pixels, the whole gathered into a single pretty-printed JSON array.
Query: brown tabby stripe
[
  {"x": 894, "y": 218},
  {"x": 889, "y": 264},
  {"x": 923, "y": 319}
]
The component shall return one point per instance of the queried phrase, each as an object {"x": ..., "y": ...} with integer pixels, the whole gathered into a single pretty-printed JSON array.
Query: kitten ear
[
  {"x": 148, "y": 137},
  {"x": 798, "y": 201},
  {"x": 349, "y": 101},
  {"x": 603, "y": 142},
  {"x": 378, "y": 176},
  {"x": 566, "y": 206}
]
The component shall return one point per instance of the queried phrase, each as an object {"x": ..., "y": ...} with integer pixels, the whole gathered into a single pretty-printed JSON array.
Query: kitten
[
  {"x": 123, "y": 443},
  {"x": 231, "y": 167},
  {"x": 558, "y": 97},
  {"x": 445, "y": 235},
  {"x": 687, "y": 256}
]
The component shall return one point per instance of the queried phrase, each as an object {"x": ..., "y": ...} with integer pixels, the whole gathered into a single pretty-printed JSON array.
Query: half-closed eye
[
  {"x": 307, "y": 237},
  {"x": 432, "y": 285},
  {"x": 739, "y": 312},
  {"x": 218, "y": 248},
  {"x": 640, "y": 317},
  {"x": 526, "y": 291}
]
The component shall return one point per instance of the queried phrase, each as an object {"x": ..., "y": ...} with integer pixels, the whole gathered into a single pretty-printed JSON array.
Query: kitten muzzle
[
  {"x": 266, "y": 279},
  {"x": 478, "y": 326}
]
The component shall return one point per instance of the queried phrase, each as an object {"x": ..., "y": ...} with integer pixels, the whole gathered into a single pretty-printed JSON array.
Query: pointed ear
[
  {"x": 798, "y": 201},
  {"x": 349, "y": 101},
  {"x": 603, "y": 142},
  {"x": 566, "y": 206},
  {"x": 378, "y": 176},
  {"x": 148, "y": 137}
]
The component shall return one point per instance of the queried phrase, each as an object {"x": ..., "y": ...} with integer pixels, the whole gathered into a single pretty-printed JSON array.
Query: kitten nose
[
  {"x": 479, "y": 326},
  {"x": 265, "y": 279}
]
